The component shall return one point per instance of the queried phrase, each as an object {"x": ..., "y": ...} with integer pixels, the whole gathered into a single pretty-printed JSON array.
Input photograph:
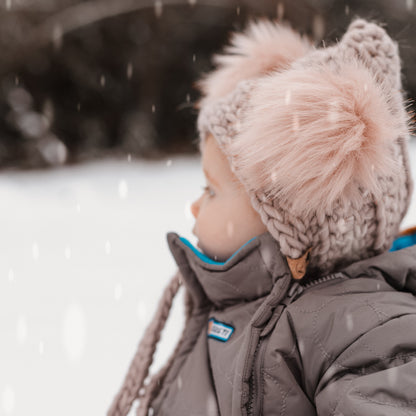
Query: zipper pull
[{"x": 295, "y": 290}]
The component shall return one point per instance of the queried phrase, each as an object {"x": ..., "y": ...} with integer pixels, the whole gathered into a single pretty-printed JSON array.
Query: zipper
[
  {"x": 251, "y": 383},
  {"x": 255, "y": 382},
  {"x": 323, "y": 279},
  {"x": 294, "y": 291}
]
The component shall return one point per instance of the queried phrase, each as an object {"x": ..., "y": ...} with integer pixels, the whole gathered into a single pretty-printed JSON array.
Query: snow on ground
[{"x": 83, "y": 261}]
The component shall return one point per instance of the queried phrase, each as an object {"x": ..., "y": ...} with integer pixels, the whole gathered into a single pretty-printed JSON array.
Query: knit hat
[{"x": 319, "y": 143}]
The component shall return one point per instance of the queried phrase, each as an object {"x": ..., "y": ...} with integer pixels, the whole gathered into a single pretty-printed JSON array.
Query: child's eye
[{"x": 206, "y": 188}]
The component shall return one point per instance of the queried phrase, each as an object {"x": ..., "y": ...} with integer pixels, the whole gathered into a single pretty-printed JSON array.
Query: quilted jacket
[{"x": 260, "y": 343}]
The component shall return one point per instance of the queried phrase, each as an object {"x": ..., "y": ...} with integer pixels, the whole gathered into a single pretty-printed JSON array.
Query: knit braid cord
[
  {"x": 156, "y": 382},
  {"x": 142, "y": 360}
]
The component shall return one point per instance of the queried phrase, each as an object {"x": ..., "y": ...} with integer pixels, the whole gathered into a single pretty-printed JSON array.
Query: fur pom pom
[
  {"x": 311, "y": 136},
  {"x": 264, "y": 46}
]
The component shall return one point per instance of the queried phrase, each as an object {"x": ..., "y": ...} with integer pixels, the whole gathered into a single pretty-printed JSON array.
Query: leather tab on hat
[{"x": 298, "y": 266}]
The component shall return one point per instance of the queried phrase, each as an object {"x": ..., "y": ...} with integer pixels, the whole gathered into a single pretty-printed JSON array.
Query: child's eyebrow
[{"x": 211, "y": 179}]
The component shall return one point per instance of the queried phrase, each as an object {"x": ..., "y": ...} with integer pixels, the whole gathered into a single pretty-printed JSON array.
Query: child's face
[{"x": 224, "y": 217}]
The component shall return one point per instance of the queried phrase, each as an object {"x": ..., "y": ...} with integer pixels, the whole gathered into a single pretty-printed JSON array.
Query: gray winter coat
[{"x": 259, "y": 343}]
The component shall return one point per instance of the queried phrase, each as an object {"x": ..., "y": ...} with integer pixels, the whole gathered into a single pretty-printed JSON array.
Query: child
[{"x": 295, "y": 305}]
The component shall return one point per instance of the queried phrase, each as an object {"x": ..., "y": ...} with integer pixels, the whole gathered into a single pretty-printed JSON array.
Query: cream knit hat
[{"x": 318, "y": 139}]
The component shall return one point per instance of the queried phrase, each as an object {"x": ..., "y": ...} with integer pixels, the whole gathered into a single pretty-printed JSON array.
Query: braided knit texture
[
  {"x": 157, "y": 380},
  {"x": 350, "y": 230},
  {"x": 132, "y": 387}
]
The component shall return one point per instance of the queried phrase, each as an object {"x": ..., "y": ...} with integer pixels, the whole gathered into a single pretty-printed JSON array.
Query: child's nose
[{"x": 195, "y": 208}]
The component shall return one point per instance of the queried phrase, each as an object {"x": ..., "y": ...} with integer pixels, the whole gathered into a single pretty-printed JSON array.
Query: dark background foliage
[{"x": 82, "y": 80}]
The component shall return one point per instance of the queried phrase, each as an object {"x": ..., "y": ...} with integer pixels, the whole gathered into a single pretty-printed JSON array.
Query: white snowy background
[{"x": 83, "y": 261}]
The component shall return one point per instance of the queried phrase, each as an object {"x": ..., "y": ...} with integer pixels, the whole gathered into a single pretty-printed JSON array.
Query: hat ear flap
[{"x": 373, "y": 46}]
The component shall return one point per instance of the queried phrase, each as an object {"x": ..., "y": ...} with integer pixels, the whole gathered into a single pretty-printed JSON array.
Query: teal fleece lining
[
  {"x": 207, "y": 259},
  {"x": 403, "y": 242},
  {"x": 398, "y": 244}
]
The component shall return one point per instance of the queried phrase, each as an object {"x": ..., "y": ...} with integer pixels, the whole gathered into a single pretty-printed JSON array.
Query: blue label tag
[{"x": 219, "y": 330}]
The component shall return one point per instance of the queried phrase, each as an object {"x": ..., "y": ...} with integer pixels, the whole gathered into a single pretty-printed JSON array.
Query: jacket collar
[
  {"x": 250, "y": 273},
  {"x": 253, "y": 270}
]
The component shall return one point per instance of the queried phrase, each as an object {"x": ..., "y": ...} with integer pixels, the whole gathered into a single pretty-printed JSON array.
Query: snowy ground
[{"x": 83, "y": 260}]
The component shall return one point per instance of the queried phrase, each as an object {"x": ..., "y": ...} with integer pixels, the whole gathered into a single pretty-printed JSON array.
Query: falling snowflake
[
  {"x": 107, "y": 247},
  {"x": 230, "y": 229},
  {"x": 118, "y": 291},
  {"x": 35, "y": 251},
  {"x": 288, "y": 97},
  {"x": 350, "y": 323},
  {"x": 102, "y": 80},
  {"x": 129, "y": 70},
  {"x": 7, "y": 400},
  {"x": 74, "y": 332},
  {"x": 123, "y": 189},
  {"x": 11, "y": 275},
  {"x": 21, "y": 330},
  {"x": 318, "y": 26},
  {"x": 301, "y": 345},
  {"x": 280, "y": 10},
  {"x": 57, "y": 36},
  {"x": 67, "y": 252},
  {"x": 41, "y": 347},
  {"x": 141, "y": 311},
  {"x": 158, "y": 8}
]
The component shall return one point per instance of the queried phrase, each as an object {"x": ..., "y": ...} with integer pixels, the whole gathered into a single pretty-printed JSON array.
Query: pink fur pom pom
[
  {"x": 311, "y": 136},
  {"x": 264, "y": 46}
]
